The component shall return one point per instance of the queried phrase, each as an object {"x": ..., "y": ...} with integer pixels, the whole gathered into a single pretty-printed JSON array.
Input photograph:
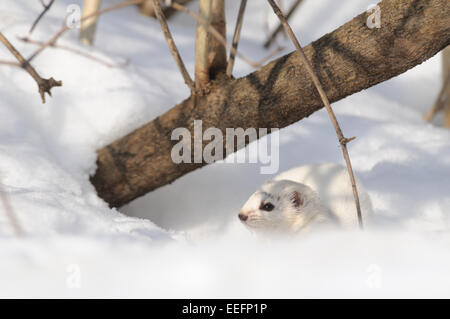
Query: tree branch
[
  {"x": 440, "y": 101},
  {"x": 210, "y": 42},
  {"x": 89, "y": 25},
  {"x": 446, "y": 74},
  {"x": 217, "y": 51},
  {"x": 237, "y": 34},
  {"x": 10, "y": 63},
  {"x": 347, "y": 60},
  {"x": 214, "y": 33},
  {"x": 44, "y": 85},
  {"x": 171, "y": 43},
  {"x": 202, "y": 39},
  {"x": 46, "y": 8}
]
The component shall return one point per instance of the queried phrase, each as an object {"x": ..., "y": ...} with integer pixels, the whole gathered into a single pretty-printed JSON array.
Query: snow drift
[{"x": 184, "y": 239}]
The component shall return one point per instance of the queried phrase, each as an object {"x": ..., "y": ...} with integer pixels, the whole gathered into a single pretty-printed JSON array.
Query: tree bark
[
  {"x": 210, "y": 54},
  {"x": 348, "y": 60},
  {"x": 217, "y": 54},
  {"x": 201, "y": 45}
]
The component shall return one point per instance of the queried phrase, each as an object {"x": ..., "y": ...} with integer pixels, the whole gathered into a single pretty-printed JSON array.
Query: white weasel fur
[{"x": 326, "y": 199}]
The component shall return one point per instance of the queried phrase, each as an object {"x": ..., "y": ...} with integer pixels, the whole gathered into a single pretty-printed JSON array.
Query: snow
[{"x": 184, "y": 239}]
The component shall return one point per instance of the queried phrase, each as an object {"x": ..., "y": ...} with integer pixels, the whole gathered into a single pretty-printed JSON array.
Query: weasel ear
[{"x": 297, "y": 200}]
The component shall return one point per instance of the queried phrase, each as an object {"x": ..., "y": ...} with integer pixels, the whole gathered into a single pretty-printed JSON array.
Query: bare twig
[
  {"x": 280, "y": 26},
  {"x": 237, "y": 34},
  {"x": 342, "y": 140},
  {"x": 50, "y": 42},
  {"x": 440, "y": 101},
  {"x": 65, "y": 28},
  {"x": 446, "y": 95},
  {"x": 46, "y": 8},
  {"x": 88, "y": 26},
  {"x": 10, "y": 215},
  {"x": 215, "y": 33},
  {"x": 171, "y": 43},
  {"x": 76, "y": 51},
  {"x": 44, "y": 85},
  {"x": 11, "y": 63},
  {"x": 217, "y": 51},
  {"x": 280, "y": 4}
]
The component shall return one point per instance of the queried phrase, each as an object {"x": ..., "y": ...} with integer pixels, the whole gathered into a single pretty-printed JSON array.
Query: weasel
[{"x": 303, "y": 197}]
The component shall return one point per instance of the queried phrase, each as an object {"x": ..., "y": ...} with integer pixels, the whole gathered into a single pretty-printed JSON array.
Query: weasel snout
[{"x": 243, "y": 217}]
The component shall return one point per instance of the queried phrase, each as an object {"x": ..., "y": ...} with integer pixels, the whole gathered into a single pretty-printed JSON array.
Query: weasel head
[{"x": 281, "y": 206}]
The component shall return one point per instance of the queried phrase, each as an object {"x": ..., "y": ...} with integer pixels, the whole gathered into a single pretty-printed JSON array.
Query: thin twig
[
  {"x": 237, "y": 34},
  {"x": 50, "y": 42},
  {"x": 281, "y": 6},
  {"x": 11, "y": 63},
  {"x": 46, "y": 8},
  {"x": 172, "y": 46},
  {"x": 214, "y": 32},
  {"x": 65, "y": 28},
  {"x": 44, "y": 85},
  {"x": 342, "y": 140},
  {"x": 76, "y": 51},
  {"x": 10, "y": 214},
  {"x": 439, "y": 104},
  {"x": 280, "y": 26}
]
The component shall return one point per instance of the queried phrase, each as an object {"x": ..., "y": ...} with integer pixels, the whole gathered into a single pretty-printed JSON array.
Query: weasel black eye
[{"x": 268, "y": 207}]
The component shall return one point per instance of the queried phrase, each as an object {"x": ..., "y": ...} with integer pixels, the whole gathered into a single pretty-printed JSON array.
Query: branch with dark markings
[{"x": 346, "y": 61}]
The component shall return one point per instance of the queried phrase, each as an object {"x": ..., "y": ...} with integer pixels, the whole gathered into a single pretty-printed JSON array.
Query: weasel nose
[{"x": 242, "y": 217}]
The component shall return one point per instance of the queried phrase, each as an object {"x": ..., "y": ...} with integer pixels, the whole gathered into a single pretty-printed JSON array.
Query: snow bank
[{"x": 184, "y": 240}]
